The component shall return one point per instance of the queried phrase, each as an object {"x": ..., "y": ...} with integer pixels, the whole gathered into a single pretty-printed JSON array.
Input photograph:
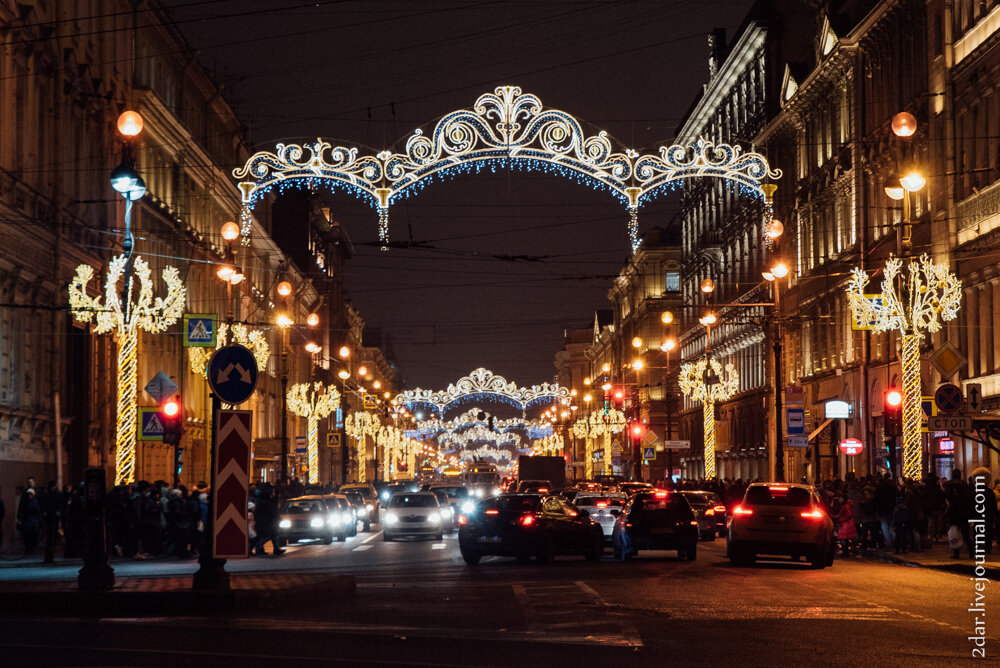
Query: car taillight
[
  {"x": 719, "y": 509},
  {"x": 710, "y": 511},
  {"x": 740, "y": 510},
  {"x": 694, "y": 523},
  {"x": 661, "y": 495},
  {"x": 492, "y": 512},
  {"x": 462, "y": 520},
  {"x": 815, "y": 514},
  {"x": 527, "y": 520},
  {"x": 602, "y": 504},
  {"x": 543, "y": 490}
]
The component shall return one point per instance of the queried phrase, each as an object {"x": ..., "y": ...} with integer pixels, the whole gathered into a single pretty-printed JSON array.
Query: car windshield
[
  {"x": 454, "y": 491},
  {"x": 302, "y": 506},
  {"x": 653, "y": 510},
  {"x": 607, "y": 501},
  {"x": 363, "y": 491},
  {"x": 778, "y": 496},
  {"x": 526, "y": 503},
  {"x": 697, "y": 500},
  {"x": 354, "y": 497},
  {"x": 413, "y": 501}
]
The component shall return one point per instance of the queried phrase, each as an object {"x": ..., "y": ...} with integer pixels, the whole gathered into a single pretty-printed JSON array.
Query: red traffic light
[
  {"x": 171, "y": 408},
  {"x": 637, "y": 430},
  {"x": 893, "y": 398}
]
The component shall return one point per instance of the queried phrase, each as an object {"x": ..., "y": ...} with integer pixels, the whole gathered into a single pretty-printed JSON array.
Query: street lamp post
[
  {"x": 667, "y": 346},
  {"x": 704, "y": 381},
  {"x": 778, "y": 271}
]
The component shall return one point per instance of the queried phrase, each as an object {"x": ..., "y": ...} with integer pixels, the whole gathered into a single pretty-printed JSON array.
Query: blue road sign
[
  {"x": 150, "y": 424},
  {"x": 232, "y": 373},
  {"x": 649, "y": 453},
  {"x": 199, "y": 330},
  {"x": 949, "y": 398},
  {"x": 795, "y": 421}
]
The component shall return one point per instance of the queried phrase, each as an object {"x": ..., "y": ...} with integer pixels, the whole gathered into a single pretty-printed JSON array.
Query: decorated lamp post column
[
  {"x": 126, "y": 317},
  {"x": 359, "y": 426},
  {"x": 920, "y": 301},
  {"x": 313, "y": 401},
  {"x": 703, "y": 381}
]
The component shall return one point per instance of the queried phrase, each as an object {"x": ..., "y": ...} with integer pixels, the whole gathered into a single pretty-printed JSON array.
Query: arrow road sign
[
  {"x": 232, "y": 467},
  {"x": 160, "y": 387},
  {"x": 974, "y": 396},
  {"x": 232, "y": 373}
]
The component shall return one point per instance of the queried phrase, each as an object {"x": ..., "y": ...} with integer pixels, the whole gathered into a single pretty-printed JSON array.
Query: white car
[
  {"x": 600, "y": 507},
  {"x": 413, "y": 514}
]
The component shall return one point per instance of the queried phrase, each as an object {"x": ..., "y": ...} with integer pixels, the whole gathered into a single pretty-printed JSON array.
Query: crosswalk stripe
[{"x": 362, "y": 548}]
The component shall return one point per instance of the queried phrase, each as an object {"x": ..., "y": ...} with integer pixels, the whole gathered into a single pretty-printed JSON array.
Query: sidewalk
[{"x": 938, "y": 557}]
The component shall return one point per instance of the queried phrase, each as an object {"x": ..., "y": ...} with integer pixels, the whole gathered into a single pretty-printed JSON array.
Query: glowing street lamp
[
  {"x": 703, "y": 381},
  {"x": 926, "y": 297}
]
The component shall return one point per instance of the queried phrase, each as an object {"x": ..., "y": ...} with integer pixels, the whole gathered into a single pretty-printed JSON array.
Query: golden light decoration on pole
[
  {"x": 252, "y": 340},
  {"x": 130, "y": 123},
  {"x": 359, "y": 425},
  {"x": 904, "y": 124},
  {"x": 313, "y": 401},
  {"x": 704, "y": 381},
  {"x": 928, "y": 295},
  {"x": 126, "y": 320}
]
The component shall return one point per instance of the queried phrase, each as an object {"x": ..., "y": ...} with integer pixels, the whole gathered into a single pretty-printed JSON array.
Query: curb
[
  {"x": 319, "y": 589},
  {"x": 960, "y": 567}
]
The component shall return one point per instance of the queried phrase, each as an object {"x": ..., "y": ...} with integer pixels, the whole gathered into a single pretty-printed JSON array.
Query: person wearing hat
[{"x": 29, "y": 520}]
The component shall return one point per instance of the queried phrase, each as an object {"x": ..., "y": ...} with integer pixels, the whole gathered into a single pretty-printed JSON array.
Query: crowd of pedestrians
[{"x": 879, "y": 513}]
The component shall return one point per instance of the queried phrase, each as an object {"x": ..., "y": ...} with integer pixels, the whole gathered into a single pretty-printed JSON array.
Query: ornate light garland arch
[
  {"x": 479, "y": 384},
  {"x": 512, "y": 129}
]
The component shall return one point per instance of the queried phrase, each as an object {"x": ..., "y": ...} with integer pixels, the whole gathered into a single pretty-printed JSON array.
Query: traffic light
[
  {"x": 619, "y": 396},
  {"x": 636, "y": 430},
  {"x": 892, "y": 410},
  {"x": 172, "y": 416}
]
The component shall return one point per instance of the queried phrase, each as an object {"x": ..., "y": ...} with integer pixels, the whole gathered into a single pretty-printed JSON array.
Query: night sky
[{"x": 367, "y": 74}]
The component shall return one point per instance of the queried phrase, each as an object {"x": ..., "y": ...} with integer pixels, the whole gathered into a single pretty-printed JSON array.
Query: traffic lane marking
[
  {"x": 438, "y": 546},
  {"x": 372, "y": 537},
  {"x": 361, "y": 548}
]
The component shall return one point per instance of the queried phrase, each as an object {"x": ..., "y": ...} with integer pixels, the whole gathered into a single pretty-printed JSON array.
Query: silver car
[
  {"x": 603, "y": 508},
  {"x": 412, "y": 514}
]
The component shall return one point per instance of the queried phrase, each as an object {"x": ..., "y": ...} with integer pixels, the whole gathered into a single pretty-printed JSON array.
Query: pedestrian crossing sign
[
  {"x": 200, "y": 330},
  {"x": 150, "y": 424},
  {"x": 371, "y": 403},
  {"x": 649, "y": 453},
  {"x": 333, "y": 440}
]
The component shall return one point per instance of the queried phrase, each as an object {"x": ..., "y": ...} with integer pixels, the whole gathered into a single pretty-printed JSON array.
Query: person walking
[
  {"x": 885, "y": 503},
  {"x": 3, "y": 513},
  {"x": 29, "y": 520},
  {"x": 75, "y": 523},
  {"x": 51, "y": 505},
  {"x": 959, "y": 511},
  {"x": 847, "y": 532},
  {"x": 266, "y": 514}
]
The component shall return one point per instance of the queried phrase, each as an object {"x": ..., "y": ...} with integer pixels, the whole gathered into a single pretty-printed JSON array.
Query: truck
[{"x": 537, "y": 467}]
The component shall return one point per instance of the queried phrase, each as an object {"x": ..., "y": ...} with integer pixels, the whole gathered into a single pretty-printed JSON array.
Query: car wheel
[
  {"x": 471, "y": 558},
  {"x": 691, "y": 553},
  {"x": 817, "y": 558},
  {"x": 387, "y": 538},
  {"x": 547, "y": 552},
  {"x": 440, "y": 535},
  {"x": 596, "y": 548},
  {"x": 830, "y": 555}
]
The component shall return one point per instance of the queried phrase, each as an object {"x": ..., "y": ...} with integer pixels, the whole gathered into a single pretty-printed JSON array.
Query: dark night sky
[{"x": 368, "y": 73}]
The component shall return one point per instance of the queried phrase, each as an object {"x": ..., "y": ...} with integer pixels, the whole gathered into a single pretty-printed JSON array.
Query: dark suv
[{"x": 657, "y": 520}]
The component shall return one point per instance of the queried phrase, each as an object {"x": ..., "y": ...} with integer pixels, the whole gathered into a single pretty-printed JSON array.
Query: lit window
[{"x": 673, "y": 282}]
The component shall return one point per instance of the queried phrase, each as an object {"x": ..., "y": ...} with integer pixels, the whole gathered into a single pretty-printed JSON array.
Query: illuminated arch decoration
[
  {"x": 507, "y": 129},
  {"x": 481, "y": 384},
  {"x": 694, "y": 383}
]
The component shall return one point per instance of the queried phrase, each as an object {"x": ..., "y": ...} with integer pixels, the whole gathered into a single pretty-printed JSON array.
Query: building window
[{"x": 673, "y": 281}]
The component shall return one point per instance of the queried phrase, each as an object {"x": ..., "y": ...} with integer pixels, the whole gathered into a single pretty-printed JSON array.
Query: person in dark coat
[
  {"x": 179, "y": 524},
  {"x": 51, "y": 504},
  {"x": 29, "y": 520},
  {"x": 150, "y": 521},
  {"x": 266, "y": 514},
  {"x": 75, "y": 523},
  {"x": 3, "y": 513},
  {"x": 885, "y": 504},
  {"x": 959, "y": 511}
]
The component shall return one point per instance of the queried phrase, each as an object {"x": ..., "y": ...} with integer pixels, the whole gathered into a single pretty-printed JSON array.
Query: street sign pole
[{"x": 211, "y": 573}]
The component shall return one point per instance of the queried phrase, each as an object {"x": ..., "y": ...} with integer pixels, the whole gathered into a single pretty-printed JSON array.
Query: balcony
[{"x": 979, "y": 214}]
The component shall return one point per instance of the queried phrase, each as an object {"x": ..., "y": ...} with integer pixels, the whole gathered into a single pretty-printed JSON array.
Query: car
[
  {"x": 631, "y": 488},
  {"x": 343, "y": 516},
  {"x": 709, "y": 512},
  {"x": 412, "y": 514},
  {"x": 602, "y": 506},
  {"x": 482, "y": 490},
  {"x": 372, "y": 505},
  {"x": 526, "y": 525},
  {"x": 458, "y": 495},
  {"x": 449, "y": 515},
  {"x": 307, "y": 517},
  {"x": 360, "y": 508},
  {"x": 533, "y": 487},
  {"x": 784, "y": 519},
  {"x": 656, "y": 520}
]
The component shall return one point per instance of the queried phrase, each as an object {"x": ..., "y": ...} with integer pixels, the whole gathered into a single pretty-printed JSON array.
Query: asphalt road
[{"x": 418, "y": 604}]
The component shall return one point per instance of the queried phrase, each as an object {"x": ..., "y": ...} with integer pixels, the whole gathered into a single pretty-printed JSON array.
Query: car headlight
[
  {"x": 446, "y": 511},
  {"x": 478, "y": 492},
  {"x": 333, "y": 520},
  {"x": 369, "y": 507},
  {"x": 316, "y": 522},
  {"x": 434, "y": 518},
  {"x": 468, "y": 507},
  {"x": 496, "y": 491},
  {"x": 390, "y": 518},
  {"x": 362, "y": 512},
  {"x": 385, "y": 496},
  {"x": 285, "y": 524}
]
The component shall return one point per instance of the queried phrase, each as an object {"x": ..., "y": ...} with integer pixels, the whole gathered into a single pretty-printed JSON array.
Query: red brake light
[
  {"x": 492, "y": 512},
  {"x": 777, "y": 488},
  {"x": 720, "y": 509},
  {"x": 602, "y": 504},
  {"x": 543, "y": 490},
  {"x": 710, "y": 511},
  {"x": 740, "y": 510},
  {"x": 527, "y": 520},
  {"x": 462, "y": 520},
  {"x": 661, "y": 495},
  {"x": 816, "y": 514}
]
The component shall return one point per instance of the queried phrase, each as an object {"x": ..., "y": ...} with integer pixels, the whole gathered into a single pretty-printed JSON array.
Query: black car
[
  {"x": 657, "y": 520},
  {"x": 526, "y": 525},
  {"x": 360, "y": 508},
  {"x": 709, "y": 512},
  {"x": 307, "y": 517}
]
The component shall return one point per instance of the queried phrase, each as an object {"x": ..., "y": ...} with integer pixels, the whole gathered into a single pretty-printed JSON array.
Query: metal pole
[
  {"x": 779, "y": 448},
  {"x": 668, "y": 390},
  {"x": 284, "y": 407},
  {"x": 211, "y": 573}
]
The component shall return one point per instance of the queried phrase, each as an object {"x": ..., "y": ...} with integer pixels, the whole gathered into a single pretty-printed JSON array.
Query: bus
[{"x": 481, "y": 473}]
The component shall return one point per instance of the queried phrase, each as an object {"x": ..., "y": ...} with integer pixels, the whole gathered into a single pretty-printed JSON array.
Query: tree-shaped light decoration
[
  {"x": 313, "y": 401},
  {"x": 252, "y": 340},
  {"x": 549, "y": 445},
  {"x": 598, "y": 425},
  {"x": 125, "y": 320},
  {"x": 694, "y": 384},
  {"x": 928, "y": 295},
  {"x": 359, "y": 425}
]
